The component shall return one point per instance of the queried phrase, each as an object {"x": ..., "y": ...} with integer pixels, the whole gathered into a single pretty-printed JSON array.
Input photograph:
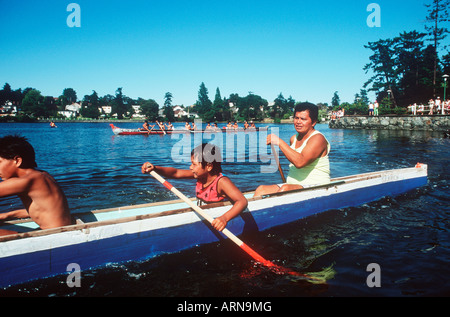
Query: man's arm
[
  {"x": 314, "y": 149},
  {"x": 16, "y": 214}
]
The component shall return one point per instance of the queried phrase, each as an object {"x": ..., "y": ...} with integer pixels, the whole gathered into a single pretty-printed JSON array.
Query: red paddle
[{"x": 258, "y": 258}]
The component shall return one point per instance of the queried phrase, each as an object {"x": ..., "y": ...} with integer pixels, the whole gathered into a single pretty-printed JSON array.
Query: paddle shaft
[
  {"x": 277, "y": 160},
  {"x": 210, "y": 219},
  {"x": 258, "y": 258}
]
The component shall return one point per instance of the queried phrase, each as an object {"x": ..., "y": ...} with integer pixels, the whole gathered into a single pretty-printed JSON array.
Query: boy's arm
[
  {"x": 10, "y": 187},
  {"x": 227, "y": 188},
  {"x": 16, "y": 214},
  {"x": 168, "y": 172},
  {"x": 14, "y": 186}
]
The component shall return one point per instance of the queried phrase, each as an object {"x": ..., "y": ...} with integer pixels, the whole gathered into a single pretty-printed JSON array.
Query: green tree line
[
  {"x": 32, "y": 103},
  {"x": 235, "y": 107},
  {"x": 409, "y": 68}
]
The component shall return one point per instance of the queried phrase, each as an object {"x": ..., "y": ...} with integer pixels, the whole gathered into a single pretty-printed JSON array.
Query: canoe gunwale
[{"x": 82, "y": 226}]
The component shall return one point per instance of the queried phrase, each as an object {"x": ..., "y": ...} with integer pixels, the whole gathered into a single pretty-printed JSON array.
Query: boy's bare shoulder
[
  {"x": 35, "y": 175},
  {"x": 225, "y": 183}
]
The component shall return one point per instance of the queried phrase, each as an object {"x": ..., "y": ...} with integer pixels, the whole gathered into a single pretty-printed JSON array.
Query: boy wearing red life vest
[{"x": 212, "y": 186}]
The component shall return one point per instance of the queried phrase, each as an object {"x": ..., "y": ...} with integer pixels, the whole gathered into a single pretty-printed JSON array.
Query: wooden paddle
[
  {"x": 275, "y": 154},
  {"x": 258, "y": 258}
]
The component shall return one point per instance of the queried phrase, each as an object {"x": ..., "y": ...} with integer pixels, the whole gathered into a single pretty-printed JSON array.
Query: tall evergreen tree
[
  {"x": 409, "y": 48},
  {"x": 6, "y": 94},
  {"x": 120, "y": 104},
  {"x": 168, "y": 110},
  {"x": 90, "y": 105},
  {"x": 203, "y": 103},
  {"x": 437, "y": 14},
  {"x": 218, "y": 108},
  {"x": 335, "y": 101},
  {"x": 383, "y": 64}
]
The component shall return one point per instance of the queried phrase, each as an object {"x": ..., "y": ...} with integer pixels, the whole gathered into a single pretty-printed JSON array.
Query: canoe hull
[{"x": 157, "y": 230}]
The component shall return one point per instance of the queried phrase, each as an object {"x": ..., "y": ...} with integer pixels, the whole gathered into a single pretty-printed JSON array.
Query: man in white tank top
[{"x": 308, "y": 153}]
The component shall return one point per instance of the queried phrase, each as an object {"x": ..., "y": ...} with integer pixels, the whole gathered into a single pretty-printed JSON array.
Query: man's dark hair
[
  {"x": 12, "y": 146},
  {"x": 208, "y": 153},
  {"x": 312, "y": 108}
]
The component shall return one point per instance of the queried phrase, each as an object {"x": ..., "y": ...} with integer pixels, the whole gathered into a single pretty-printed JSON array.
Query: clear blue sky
[{"x": 304, "y": 49}]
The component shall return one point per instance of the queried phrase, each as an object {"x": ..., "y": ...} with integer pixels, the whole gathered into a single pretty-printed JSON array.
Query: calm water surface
[{"x": 408, "y": 236}]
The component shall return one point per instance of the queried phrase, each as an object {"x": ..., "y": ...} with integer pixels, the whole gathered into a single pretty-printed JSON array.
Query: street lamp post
[{"x": 445, "y": 90}]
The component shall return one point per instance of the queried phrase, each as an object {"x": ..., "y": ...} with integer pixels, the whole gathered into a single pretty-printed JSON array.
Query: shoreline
[{"x": 438, "y": 123}]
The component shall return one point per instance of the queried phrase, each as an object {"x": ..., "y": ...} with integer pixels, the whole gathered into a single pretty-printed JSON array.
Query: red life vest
[{"x": 209, "y": 194}]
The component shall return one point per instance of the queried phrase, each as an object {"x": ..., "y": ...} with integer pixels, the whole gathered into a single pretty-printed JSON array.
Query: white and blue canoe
[{"x": 140, "y": 232}]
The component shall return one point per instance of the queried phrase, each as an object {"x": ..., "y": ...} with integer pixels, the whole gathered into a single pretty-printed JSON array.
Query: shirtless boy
[{"x": 42, "y": 197}]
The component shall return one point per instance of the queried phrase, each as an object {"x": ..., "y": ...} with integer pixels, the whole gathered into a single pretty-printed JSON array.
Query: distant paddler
[
  {"x": 146, "y": 127},
  {"x": 161, "y": 126},
  {"x": 228, "y": 126},
  {"x": 169, "y": 126},
  {"x": 52, "y": 124}
]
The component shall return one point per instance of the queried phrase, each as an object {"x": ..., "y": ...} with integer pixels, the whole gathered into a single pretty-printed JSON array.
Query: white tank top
[{"x": 316, "y": 173}]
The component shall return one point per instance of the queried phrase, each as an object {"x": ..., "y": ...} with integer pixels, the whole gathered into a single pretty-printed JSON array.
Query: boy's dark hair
[
  {"x": 208, "y": 153},
  {"x": 15, "y": 145},
  {"x": 312, "y": 108}
]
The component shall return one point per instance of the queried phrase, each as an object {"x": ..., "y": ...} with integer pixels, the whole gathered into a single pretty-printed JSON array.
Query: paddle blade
[
  {"x": 281, "y": 270},
  {"x": 256, "y": 256}
]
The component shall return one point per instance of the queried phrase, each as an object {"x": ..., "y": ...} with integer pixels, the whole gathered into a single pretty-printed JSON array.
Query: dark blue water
[{"x": 407, "y": 236}]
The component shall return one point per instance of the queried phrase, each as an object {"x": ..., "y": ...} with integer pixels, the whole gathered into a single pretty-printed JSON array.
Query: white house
[
  {"x": 71, "y": 111},
  {"x": 180, "y": 112},
  {"x": 74, "y": 107},
  {"x": 68, "y": 113},
  {"x": 105, "y": 109},
  {"x": 8, "y": 109},
  {"x": 137, "y": 112}
]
